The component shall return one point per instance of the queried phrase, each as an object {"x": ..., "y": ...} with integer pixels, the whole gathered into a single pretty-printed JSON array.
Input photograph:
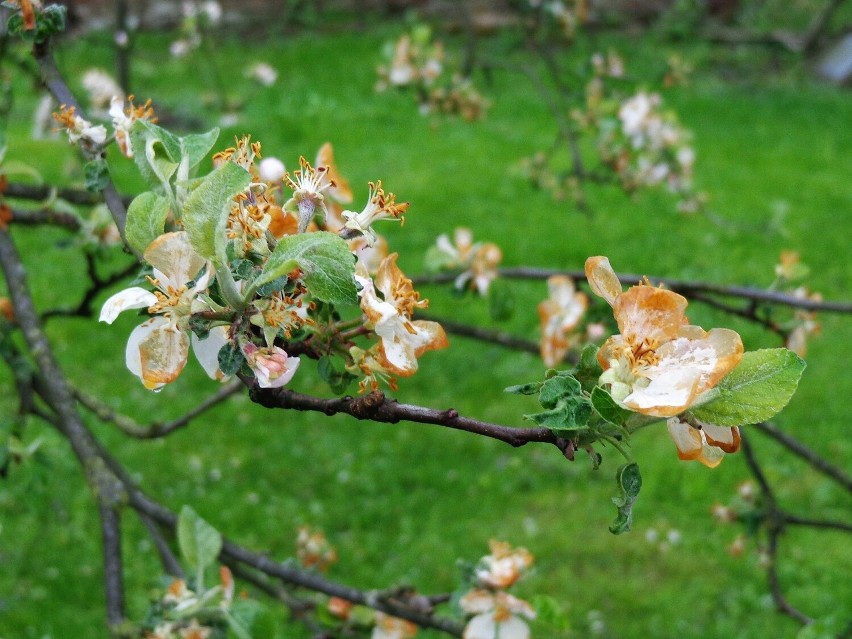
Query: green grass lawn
[{"x": 403, "y": 502}]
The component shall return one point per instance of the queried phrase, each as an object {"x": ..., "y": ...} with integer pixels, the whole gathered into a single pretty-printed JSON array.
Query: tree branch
[
  {"x": 113, "y": 570},
  {"x": 378, "y": 408},
  {"x": 80, "y": 197},
  {"x": 775, "y": 526},
  {"x": 97, "y": 284},
  {"x": 106, "y": 487},
  {"x": 683, "y": 287},
  {"x": 500, "y": 338},
  {"x": 816, "y": 523},
  {"x": 167, "y": 558},
  {"x": 46, "y": 216},
  {"x": 54, "y": 83},
  {"x": 810, "y": 456},
  {"x": 131, "y": 427}
]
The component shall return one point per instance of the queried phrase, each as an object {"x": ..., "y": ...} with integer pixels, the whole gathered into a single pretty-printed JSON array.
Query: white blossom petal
[
  {"x": 602, "y": 279},
  {"x": 133, "y": 297},
  {"x": 156, "y": 352},
  {"x": 173, "y": 256},
  {"x": 670, "y": 392},
  {"x": 207, "y": 351}
]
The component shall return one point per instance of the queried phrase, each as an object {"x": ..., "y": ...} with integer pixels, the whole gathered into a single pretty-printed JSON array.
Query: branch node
[{"x": 367, "y": 406}]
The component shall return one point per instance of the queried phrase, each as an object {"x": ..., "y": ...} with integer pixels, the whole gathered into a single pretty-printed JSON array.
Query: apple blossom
[
  {"x": 559, "y": 316},
  {"x": 271, "y": 365},
  {"x": 379, "y": 207},
  {"x": 123, "y": 119},
  {"x": 659, "y": 365},
  {"x": 503, "y": 567},
  {"x": 388, "y": 627},
  {"x": 402, "y": 339},
  {"x": 703, "y": 442},
  {"x": 157, "y": 349},
  {"x": 79, "y": 128},
  {"x": 497, "y": 615}
]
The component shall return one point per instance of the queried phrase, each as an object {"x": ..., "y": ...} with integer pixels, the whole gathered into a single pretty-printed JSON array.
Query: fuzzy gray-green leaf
[
  {"x": 146, "y": 219},
  {"x": 326, "y": 263},
  {"x": 206, "y": 211}
]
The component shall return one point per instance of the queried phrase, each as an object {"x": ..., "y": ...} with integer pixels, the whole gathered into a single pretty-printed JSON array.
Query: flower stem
[{"x": 229, "y": 289}]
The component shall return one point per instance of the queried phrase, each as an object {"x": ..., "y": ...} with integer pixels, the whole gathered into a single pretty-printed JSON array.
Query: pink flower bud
[{"x": 272, "y": 367}]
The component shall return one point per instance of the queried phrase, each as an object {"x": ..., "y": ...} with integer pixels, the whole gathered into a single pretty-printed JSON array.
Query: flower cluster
[
  {"x": 566, "y": 16},
  {"x": 477, "y": 261},
  {"x": 660, "y": 365},
  {"x": 638, "y": 143},
  {"x": 790, "y": 273},
  {"x": 559, "y": 316},
  {"x": 415, "y": 62},
  {"x": 183, "y": 613},
  {"x": 647, "y": 147},
  {"x": 268, "y": 275},
  {"x": 495, "y": 613},
  {"x": 313, "y": 550},
  {"x": 91, "y": 136},
  {"x": 195, "y": 17},
  {"x": 745, "y": 507},
  {"x": 101, "y": 89},
  {"x": 389, "y": 302}
]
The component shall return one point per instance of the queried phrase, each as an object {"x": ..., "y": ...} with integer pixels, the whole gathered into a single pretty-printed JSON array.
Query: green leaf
[
  {"x": 197, "y": 145},
  {"x": 206, "y": 211},
  {"x": 629, "y": 484},
  {"x": 551, "y": 611},
  {"x": 230, "y": 358},
  {"x": 199, "y": 326},
  {"x": 337, "y": 380},
  {"x": 156, "y": 153},
  {"x": 96, "y": 175},
  {"x": 501, "y": 301},
  {"x": 556, "y": 388},
  {"x": 274, "y": 286},
  {"x": 608, "y": 408},
  {"x": 569, "y": 415},
  {"x": 49, "y": 21},
  {"x": 327, "y": 265},
  {"x": 758, "y": 388},
  {"x": 524, "y": 389},
  {"x": 199, "y": 542},
  {"x": 146, "y": 219},
  {"x": 588, "y": 370},
  {"x": 242, "y": 269},
  {"x": 248, "y": 619}
]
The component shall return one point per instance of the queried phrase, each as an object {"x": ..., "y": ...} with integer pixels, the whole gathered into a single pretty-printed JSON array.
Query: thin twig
[
  {"x": 54, "y": 82},
  {"x": 500, "y": 338},
  {"x": 46, "y": 217},
  {"x": 376, "y": 407},
  {"x": 170, "y": 563},
  {"x": 798, "y": 448},
  {"x": 775, "y": 526},
  {"x": 817, "y": 523},
  {"x": 131, "y": 427},
  {"x": 97, "y": 284},
  {"x": 43, "y": 193},
  {"x": 684, "y": 287}
]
